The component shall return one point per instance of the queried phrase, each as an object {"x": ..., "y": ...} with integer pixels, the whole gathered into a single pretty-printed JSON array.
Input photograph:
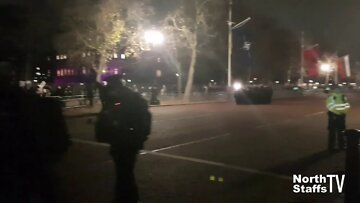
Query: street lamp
[
  {"x": 154, "y": 37},
  {"x": 326, "y": 68},
  {"x": 230, "y": 40}
]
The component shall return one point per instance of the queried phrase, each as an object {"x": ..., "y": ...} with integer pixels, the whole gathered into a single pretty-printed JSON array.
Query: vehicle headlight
[{"x": 237, "y": 86}]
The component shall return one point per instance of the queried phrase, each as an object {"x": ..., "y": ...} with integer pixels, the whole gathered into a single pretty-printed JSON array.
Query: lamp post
[
  {"x": 154, "y": 38},
  {"x": 326, "y": 68},
  {"x": 302, "y": 70},
  {"x": 230, "y": 39}
]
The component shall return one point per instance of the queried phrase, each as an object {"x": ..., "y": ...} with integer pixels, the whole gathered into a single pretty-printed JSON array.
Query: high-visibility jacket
[{"x": 337, "y": 103}]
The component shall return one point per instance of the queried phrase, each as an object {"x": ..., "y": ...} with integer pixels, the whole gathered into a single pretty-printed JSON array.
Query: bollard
[
  {"x": 352, "y": 166},
  {"x": 153, "y": 98}
]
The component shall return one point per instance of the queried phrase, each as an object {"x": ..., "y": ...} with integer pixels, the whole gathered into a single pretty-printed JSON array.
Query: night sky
[
  {"x": 277, "y": 24},
  {"x": 275, "y": 28},
  {"x": 274, "y": 33},
  {"x": 331, "y": 23}
]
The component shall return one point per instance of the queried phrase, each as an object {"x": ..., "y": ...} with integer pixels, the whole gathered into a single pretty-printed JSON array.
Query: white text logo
[{"x": 318, "y": 183}]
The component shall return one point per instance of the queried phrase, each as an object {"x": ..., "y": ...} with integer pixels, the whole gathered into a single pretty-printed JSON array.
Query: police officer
[
  {"x": 124, "y": 122},
  {"x": 338, "y": 106},
  {"x": 33, "y": 137}
]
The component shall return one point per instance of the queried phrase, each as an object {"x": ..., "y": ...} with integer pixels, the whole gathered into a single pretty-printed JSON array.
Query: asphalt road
[{"x": 218, "y": 152}]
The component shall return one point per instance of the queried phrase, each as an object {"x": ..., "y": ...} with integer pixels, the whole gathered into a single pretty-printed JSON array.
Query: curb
[
  {"x": 80, "y": 115},
  {"x": 189, "y": 103}
]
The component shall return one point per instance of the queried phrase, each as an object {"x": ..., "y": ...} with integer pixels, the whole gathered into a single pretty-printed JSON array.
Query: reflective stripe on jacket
[{"x": 337, "y": 103}]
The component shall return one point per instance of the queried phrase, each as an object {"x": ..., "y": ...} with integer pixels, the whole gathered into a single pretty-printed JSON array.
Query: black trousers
[
  {"x": 125, "y": 189},
  {"x": 336, "y": 126}
]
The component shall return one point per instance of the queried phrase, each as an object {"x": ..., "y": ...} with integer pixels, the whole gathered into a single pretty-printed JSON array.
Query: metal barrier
[
  {"x": 352, "y": 169},
  {"x": 73, "y": 101},
  {"x": 82, "y": 100}
]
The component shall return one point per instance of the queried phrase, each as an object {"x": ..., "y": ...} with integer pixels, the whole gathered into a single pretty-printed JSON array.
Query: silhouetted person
[
  {"x": 90, "y": 94},
  {"x": 90, "y": 81},
  {"x": 33, "y": 137},
  {"x": 124, "y": 122}
]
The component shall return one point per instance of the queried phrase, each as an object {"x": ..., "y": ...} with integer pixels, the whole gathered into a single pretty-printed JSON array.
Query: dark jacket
[
  {"x": 33, "y": 136},
  {"x": 124, "y": 121}
]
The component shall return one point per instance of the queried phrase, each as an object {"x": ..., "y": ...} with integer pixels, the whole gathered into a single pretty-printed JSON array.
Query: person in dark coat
[
  {"x": 124, "y": 122},
  {"x": 33, "y": 138}
]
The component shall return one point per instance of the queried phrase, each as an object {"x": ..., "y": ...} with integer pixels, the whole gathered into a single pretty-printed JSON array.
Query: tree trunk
[
  {"x": 179, "y": 78},
  {"x": 190, "y": 79},
  {"x": 172, "y": 55},
  {"x": 179, "y": 84},
  {"x": 101, "y": 68}
]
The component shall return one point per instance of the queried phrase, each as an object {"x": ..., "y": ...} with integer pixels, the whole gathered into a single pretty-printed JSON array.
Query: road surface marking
[
  {"x": 90, "y": 142},
  {"x": 223, "y": 165},
  {"x": 156, "y": 150},
  {"x": 314, "y": 114},
  {"x": 187, "y": 143}
]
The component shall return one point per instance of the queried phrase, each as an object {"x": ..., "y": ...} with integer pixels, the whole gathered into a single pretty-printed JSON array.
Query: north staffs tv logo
[{"x": 318, "y": 184}]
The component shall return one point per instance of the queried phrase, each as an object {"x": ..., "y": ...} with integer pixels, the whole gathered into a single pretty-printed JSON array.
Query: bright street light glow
[
  {"x": 237, "y": 86},
  {"x": 325, "y": 67},
  {"x": 177, "y": 75},
  {"x": 154, "y": 37},
  {"x": 277, "y": 82}
]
